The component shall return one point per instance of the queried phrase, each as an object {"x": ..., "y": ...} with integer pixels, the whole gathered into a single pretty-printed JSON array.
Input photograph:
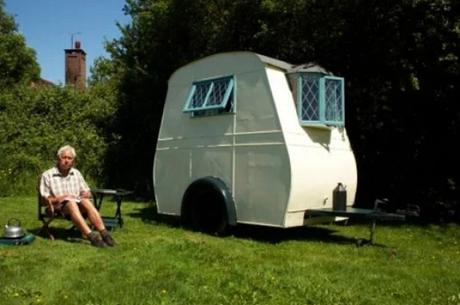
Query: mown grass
[{"x": 158, "y": 262}]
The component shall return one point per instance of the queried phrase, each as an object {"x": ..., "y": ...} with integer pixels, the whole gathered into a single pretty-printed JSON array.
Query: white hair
[{"x": 67, "y": 148}]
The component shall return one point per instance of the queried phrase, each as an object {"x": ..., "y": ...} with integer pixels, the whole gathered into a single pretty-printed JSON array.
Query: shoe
[
  {"x": 108, "y": 240},
  {"x": 96, "y": 241}
]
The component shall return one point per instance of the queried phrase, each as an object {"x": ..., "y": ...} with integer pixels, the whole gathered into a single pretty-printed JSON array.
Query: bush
[{"x": 36, "y": 122}]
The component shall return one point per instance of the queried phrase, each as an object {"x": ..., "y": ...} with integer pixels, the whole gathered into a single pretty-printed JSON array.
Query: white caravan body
[{"x": 275, "y": 167}]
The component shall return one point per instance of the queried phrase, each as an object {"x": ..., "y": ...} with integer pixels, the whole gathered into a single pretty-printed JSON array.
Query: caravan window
[
  {"x": 211, "y": 96},
  {"x": 320, "y": 99}
]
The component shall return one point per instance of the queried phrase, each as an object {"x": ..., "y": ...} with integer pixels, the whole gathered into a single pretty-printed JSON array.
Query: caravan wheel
[{"x": 204, "y": 206}]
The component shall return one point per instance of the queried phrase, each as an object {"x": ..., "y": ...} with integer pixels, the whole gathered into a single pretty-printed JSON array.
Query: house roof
[{"x": 41, "y": 82}]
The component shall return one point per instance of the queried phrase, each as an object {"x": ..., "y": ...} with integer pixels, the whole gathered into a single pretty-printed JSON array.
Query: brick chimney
[{"x": 75, "y": 67}]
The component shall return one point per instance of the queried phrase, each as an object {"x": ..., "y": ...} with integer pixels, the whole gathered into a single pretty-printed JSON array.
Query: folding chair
[{"x": 46, "y": 214}]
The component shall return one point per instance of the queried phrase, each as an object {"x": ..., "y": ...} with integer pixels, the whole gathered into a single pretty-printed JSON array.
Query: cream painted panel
[
  {"x": 184, "y": 126},
  {"x": 309, "y": 187},
  {"x": 215, "y": 162},
  {"x": 254, "y": 105},
  {"x": 316, "y": 171},
  {"x": 259, "y": 138},
  {"x": 205, "y": 126},
  {"x": 175, "y": 123},
  {"x": 262, "y": 184},
  {"x": 283, "y": 100},
  {"x": 198, "y": 142},
  {"x": 171, "y": 178},
  {"x": 172, "y": 113},
  {"x": 218, "y": 65},
  {"x": 255, "y": 108}
]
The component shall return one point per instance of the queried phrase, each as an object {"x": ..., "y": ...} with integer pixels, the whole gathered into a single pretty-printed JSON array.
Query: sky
[{"x": 50, "y": 25}]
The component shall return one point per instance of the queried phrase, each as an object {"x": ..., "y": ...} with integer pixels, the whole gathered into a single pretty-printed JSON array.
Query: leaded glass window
[
  {"x": 333, "y": 99},
  {"x": 321, "y": 99},
  {"x": 310, "y": 98},
  {"x": 211, "y": 96}
]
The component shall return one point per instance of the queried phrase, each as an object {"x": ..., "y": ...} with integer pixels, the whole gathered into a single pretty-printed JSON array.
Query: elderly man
[{"x": 65, "y": 191}]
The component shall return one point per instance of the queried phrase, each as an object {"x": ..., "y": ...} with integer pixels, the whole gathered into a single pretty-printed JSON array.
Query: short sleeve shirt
[{"x": 53, "y": 183}]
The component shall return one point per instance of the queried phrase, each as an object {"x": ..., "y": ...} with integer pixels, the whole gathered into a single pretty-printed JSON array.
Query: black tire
[{"x": 204, "y": 206}]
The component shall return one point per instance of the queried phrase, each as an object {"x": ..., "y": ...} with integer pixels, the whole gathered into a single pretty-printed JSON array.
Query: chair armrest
[{"x": 45, "y": 202}]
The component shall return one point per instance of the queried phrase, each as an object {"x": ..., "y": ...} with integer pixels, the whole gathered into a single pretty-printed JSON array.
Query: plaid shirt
[{"x": 53, "y": 183}]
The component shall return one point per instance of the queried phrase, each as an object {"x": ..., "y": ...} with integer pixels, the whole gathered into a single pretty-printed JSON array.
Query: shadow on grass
[
  {"x": 306, "y": 233},
  {"x": 69, "y": 234},
  {"x": 148, "y": 214},
  {"x": 277, "y": 235}
]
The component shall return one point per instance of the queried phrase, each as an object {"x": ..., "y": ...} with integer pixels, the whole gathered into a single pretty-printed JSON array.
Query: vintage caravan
[{"x": 245, "y": 138}]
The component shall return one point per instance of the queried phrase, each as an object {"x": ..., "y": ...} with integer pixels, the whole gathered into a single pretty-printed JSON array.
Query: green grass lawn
[{"x": 158, "y": 262}]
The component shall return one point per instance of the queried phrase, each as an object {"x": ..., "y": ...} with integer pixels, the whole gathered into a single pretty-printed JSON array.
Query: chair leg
[{"x": 46, "y": 229}]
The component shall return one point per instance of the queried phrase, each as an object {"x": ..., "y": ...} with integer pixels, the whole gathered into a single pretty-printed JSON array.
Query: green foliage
[
  {"x": 401, "y": 98},
  {"x": 104, "y": 74},
  {"x": 17, "y": 61},
  {"x": 159, "y": 264},
  {"x": 400, "y": 61},
  {"x": 35, "y": 123}
]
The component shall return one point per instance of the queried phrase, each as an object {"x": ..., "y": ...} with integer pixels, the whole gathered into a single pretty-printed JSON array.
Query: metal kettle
[{"x": 13, "y": 229}]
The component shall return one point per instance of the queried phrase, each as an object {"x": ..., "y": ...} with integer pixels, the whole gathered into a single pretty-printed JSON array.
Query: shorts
[{"x": 59, "y": 209}]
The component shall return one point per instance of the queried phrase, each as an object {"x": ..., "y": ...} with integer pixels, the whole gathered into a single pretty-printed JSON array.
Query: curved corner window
[
  {"x": 211, "y": 96},
  {"x": 321, "y": 99}
]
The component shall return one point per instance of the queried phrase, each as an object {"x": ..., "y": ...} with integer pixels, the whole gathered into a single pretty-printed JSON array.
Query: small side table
[{"x": 98, "y": 195}]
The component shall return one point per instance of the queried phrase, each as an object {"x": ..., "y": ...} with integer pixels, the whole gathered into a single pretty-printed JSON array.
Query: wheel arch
[{"x": 216, "y": 184}]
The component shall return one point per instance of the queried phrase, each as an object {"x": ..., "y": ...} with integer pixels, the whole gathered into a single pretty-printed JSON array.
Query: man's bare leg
[
  {"x": 72, "y": 209},
  {"x": 93, "y": 214},
  {"x": 96, "y": 219}
]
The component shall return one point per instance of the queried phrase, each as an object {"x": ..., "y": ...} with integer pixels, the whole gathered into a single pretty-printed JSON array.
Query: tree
[
  {"x": 17, "y": 61},
  {"x": 35, "y": 122},
  {"x": 400, "y": 60}
]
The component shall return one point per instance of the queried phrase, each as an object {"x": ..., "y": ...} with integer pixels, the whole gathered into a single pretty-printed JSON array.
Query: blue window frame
[
  {"x": 321, "y": 99},
  {"x": 211, "y": 96}
]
